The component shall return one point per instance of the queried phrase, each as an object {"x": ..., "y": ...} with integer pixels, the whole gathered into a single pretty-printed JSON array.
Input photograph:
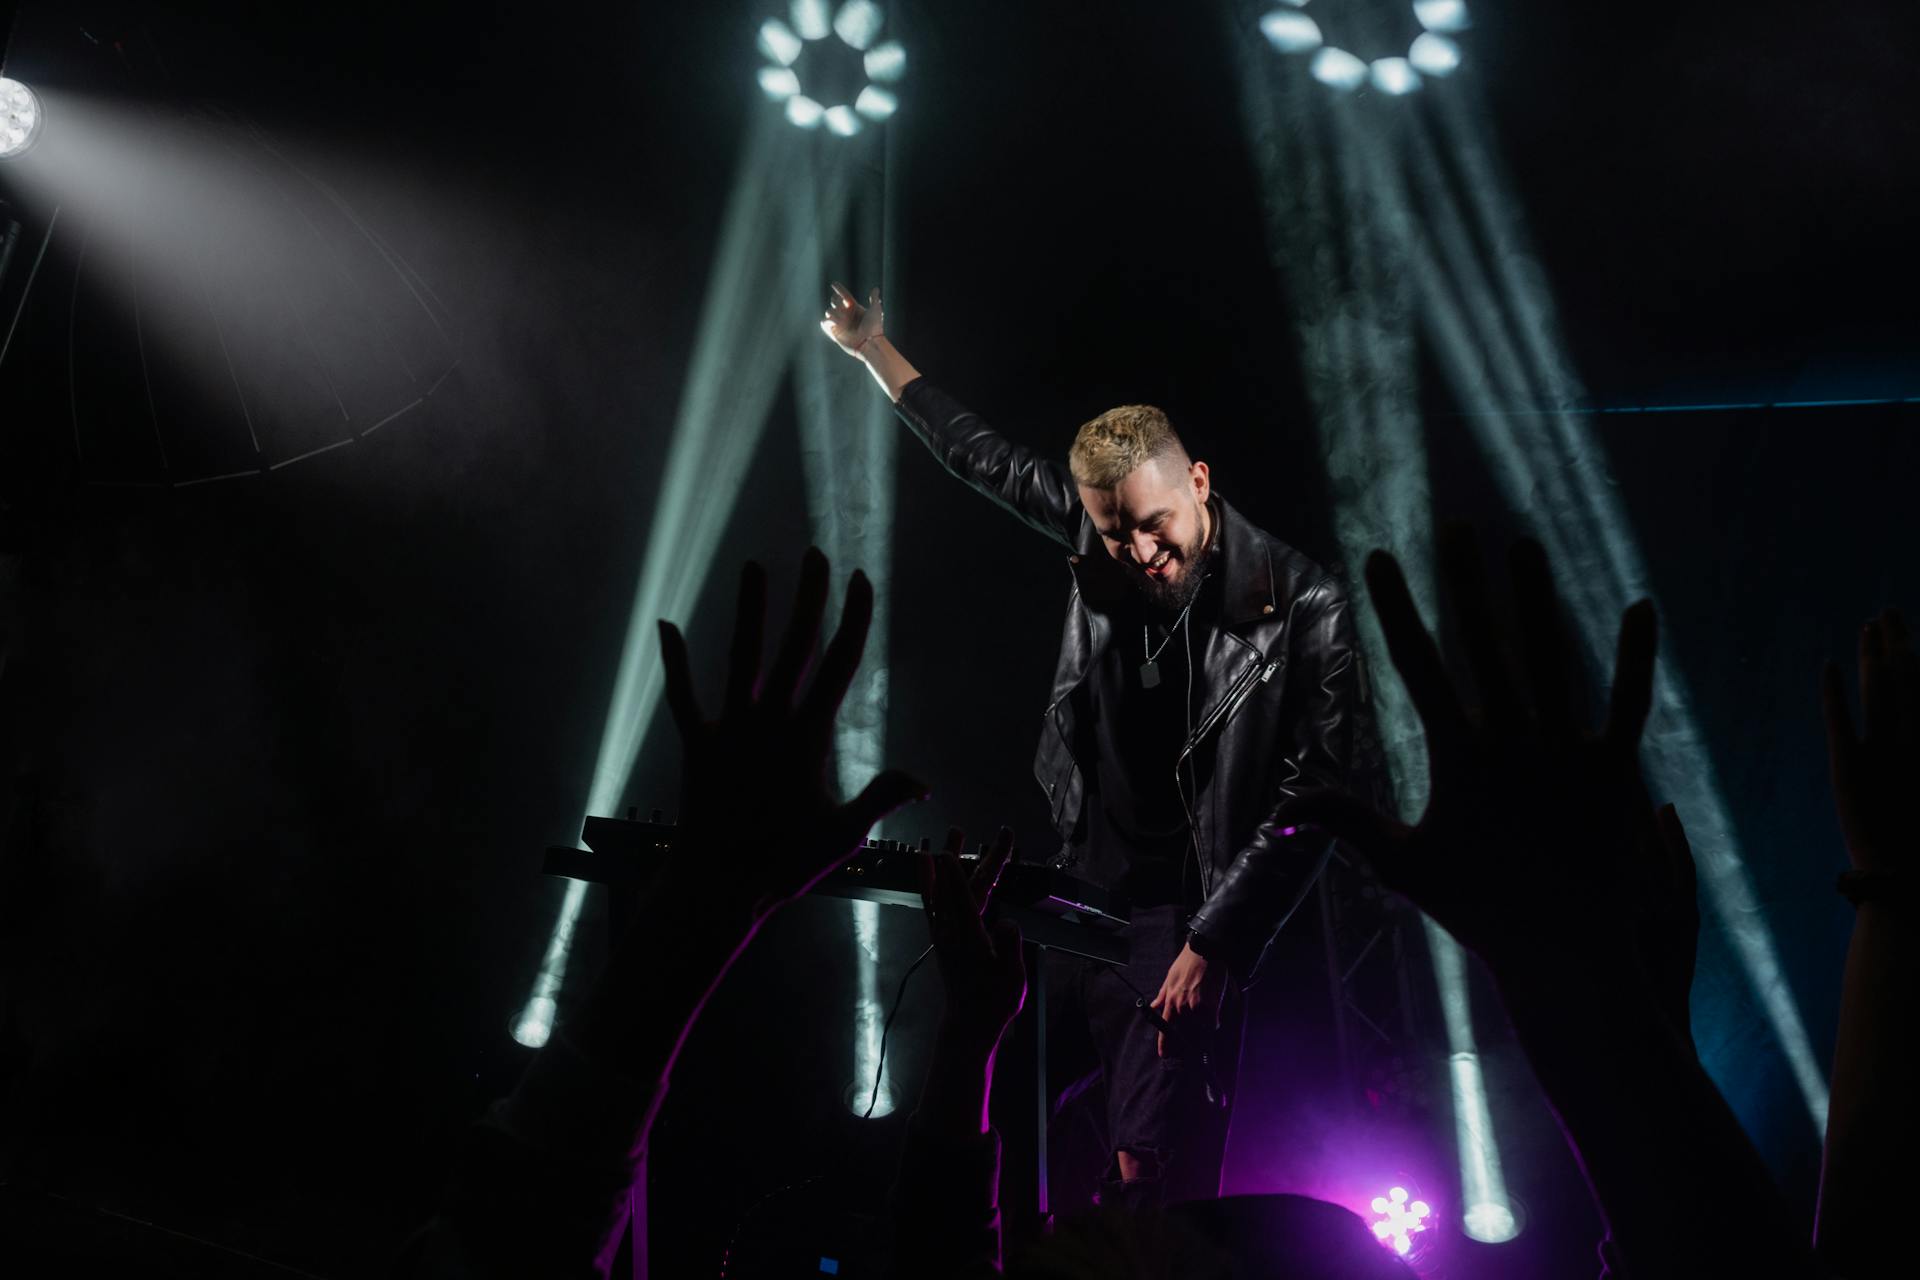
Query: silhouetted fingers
[
  {"x": 889, "y": 790},
  {"x": 1543, "y": 638},
  {"x": 1008, "y": 955},
  {"x": 1683, "y": 872},
  {"x": 925, "y": 866},
  {"x": 950, "y": 879},
  {"x": 841, "y": 661},
  {"x": 1904, "y": 668},
  {"x": 681, "y": 702},
  {"x": 938, "y": 874},
  {"x": 1411, "y": 647},
  {"x": 1876, "y": 702},
  {"x": 749, "y": 638},
  {"x": 1466, "y": 579},
  {"x": 1633, "y": 676},
  {"x": 986, "y": 873},
  {"x": 1842, "y": 745},
  {"x": 803, "y": 632}
]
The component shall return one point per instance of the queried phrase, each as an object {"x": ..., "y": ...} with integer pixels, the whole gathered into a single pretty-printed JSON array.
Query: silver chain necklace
[{"x": 1150, "y": 669}]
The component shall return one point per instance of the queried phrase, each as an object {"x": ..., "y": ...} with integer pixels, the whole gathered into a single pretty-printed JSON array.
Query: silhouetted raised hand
[
  {"x": 1540, "y": 851},
  {"x": 759, "y": 825},
  {"x": 1876, "y": 774},
  {"x": 1666, "y": 922},
  {"x": 1873, "y": 1122},
  {"x": 1538, "y": 843},
  {"x": 754, "y": 783}
]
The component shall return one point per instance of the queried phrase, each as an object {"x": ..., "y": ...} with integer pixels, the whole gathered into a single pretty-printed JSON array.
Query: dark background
[{"x": 284, "y": 752}]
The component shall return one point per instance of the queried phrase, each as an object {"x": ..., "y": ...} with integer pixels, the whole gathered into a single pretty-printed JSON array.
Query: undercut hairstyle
[{"x": 1120, "y": 441}]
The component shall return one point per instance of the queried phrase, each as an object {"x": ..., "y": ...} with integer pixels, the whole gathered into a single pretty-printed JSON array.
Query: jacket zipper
[{"x": 1235, "y": 696}]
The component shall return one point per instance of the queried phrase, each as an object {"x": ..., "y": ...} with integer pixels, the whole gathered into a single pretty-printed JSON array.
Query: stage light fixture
[
  {"x": 854, "y": 26},
  {"x": 1401, "y": 1219},
  {"x": 21, "y": 118},
  {"x": 1291, "y": 31}
]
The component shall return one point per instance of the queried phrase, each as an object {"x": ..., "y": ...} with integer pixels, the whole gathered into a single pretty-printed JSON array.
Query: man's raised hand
[
  {"x": 754, "y": 786},
  {"x": 850, "y": 324}
]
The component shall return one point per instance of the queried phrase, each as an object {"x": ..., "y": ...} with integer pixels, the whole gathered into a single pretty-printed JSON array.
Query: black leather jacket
[{"x": 1276, "y": 684}]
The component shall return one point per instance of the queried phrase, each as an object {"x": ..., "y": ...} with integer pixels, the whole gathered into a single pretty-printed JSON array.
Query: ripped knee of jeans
[{"x": 1148, "y": 1162}]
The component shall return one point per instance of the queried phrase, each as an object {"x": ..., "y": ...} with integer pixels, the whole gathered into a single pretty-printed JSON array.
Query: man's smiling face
[{"x": 1155, "y": 523}]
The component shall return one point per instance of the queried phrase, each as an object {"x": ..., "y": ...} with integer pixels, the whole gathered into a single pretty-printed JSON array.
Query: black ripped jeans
[{"x": 1170, "y": 1112}]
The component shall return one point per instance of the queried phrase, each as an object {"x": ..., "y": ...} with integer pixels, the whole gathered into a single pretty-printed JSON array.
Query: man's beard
[{"x": 1172, "y": 597}]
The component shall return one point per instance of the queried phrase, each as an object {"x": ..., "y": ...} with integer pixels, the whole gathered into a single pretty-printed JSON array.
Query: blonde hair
[{"x": 1118, "y": 442}]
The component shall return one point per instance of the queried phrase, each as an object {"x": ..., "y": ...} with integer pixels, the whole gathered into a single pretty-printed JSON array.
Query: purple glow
[{"x": 1400, "y": 1219}]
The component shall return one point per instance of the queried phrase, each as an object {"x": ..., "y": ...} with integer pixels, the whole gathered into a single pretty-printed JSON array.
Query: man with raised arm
[{"x": 1206, "y": 681}]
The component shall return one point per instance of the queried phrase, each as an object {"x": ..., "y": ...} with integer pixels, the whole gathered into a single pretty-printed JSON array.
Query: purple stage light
[{"x": 1400, "y": 1219}]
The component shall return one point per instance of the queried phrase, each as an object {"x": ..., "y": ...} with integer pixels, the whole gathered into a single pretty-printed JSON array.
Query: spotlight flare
[
  {"x": 1490, "y": 1223},
  {"x": 20, "y": 118}
]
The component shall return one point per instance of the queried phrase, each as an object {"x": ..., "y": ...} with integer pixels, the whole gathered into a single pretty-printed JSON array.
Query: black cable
[
  {"x": 879, "y": 1072},
  {"x": 900, "y": 994}
]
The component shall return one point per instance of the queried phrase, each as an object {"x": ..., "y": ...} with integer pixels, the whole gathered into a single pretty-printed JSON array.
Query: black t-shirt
[{"x": 1137, "y": 825}]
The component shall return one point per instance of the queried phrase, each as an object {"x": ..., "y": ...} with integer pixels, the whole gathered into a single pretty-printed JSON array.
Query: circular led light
[
  {"x": 855, "y": 24},
  {"x": 1401, "y": 1219},
  {"x": 1431, "y": 55},
  {"x": 20, "y": 118}
]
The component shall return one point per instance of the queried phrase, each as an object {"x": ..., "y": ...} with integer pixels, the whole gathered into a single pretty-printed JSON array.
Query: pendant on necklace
[{"x": 1149, "y": 675}]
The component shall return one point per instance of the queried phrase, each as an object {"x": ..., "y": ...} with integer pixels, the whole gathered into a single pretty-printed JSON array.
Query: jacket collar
[{"x": 1246, "y": 567}]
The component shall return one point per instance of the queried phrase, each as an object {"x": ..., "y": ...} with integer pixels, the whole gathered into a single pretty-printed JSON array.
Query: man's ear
[{"x": 1202, "y": 481}]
